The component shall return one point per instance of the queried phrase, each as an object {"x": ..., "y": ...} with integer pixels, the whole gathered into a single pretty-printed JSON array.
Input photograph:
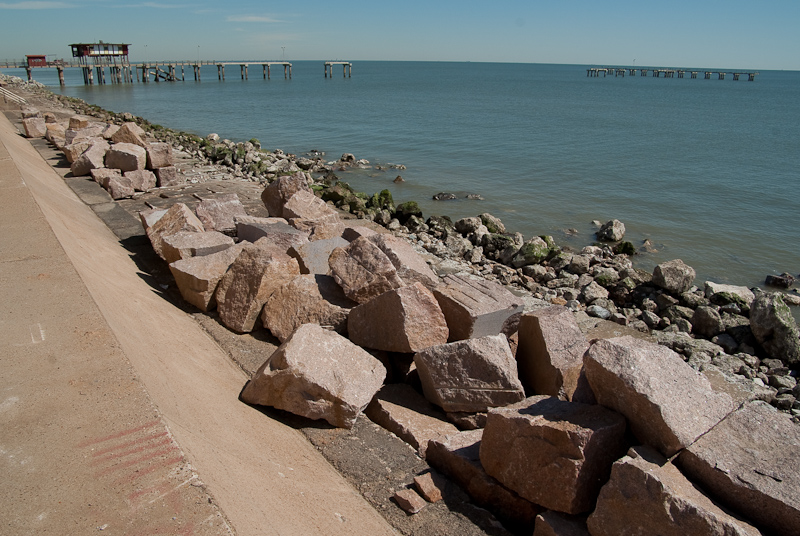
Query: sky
[{"x": 730, "y": 34}]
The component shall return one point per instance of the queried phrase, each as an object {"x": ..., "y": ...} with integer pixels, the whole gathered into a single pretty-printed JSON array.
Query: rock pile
[{"x": 551, "y": 429}]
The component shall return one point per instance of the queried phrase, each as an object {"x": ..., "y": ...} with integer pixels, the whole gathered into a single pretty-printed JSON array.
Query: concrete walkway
[{"x": 117, "y": 412}]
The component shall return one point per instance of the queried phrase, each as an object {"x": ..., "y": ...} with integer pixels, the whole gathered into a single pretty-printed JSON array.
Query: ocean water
[{"x": 707, "y": 170}]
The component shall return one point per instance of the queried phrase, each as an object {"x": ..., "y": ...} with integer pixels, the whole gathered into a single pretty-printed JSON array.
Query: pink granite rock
[
  {"x": 73, "y": 150},
  {"x": 404, "y": 412},
  {"x": 178, "y": 218},
  {"x": 363, "y": 270},
  {"x": 252, "y": 278},
  {"x": 674, "y": 276},
  {"x": 77, "y": 122},
  {"x": 35, "y": 127},
  {"x": 321, "y": 228},
  {"x": 648, "y": 495},
  {"x": 411, "y": 268},
  {"x": 159, "y": 155},
  {"x": 278, "y": 230},
  {"x": 130, "y": 133},
  {"x": 305, "y": 205},
  {"x": 100, "y": 175},
  {"x": 94, "y": 130},
  {"x": 142, "y": 180},
  {"x": 471, "y": 375},
  {"x": 91, "y": 158},
  {"x": 667, "y": 403},
  {"x": 475, "y": 307},
  {"x": 118, "y": 187},
  {"x": 56, "y": 132},
  {"x": 554, "y": 453},
  {"x": 751, "y": 463},
  {"x": 409, "y": 501},
  {"x": 306, "y": 299},
  {"x": 458, "y": 456},
  {"x": 318, "y": 374},
  {"x": 126, "y": 157},
  {"x": 218, "y": 213},
  {"x": 167, "y": 176},
  {"x": 428, "y": 487},
  {"x": 550, "y": 352},
  {"x": 280, "y": 190},
  {"x": 185, "y": 244},
  {"x": 407, "y": 319},
  {"x": 197, "y": 277},
  {"x": 351, "y": 233},
  {"x": 110, "y": 130}
]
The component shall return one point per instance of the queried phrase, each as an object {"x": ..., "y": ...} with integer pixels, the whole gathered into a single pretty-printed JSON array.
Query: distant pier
[
  {"x": 595, "y": 72},
  {"x": 347, "y": 68}
]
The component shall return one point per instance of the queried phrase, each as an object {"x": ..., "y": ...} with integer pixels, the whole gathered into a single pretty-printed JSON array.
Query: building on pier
[{"x": 99, "y": 55}]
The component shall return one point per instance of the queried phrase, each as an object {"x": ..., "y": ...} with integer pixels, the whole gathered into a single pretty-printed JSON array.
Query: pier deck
[{"x": 594, "y": 72}]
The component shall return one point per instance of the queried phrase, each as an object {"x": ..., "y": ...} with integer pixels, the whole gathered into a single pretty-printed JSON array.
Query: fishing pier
[
  {"x": 595, "y": 72},
  {"x": 347, "y": 68}
]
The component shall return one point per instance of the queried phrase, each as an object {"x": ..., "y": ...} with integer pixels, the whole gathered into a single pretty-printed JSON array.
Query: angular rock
[
  {"x": 648, "y": 495},
  {"x": 219, "y": 213},
  {"x": 458, "y": 456},
  {"x": 167, "y": 176},
  {"x": 428, "y": 487},
  {"x": 126, "y": 157},
  {"x": 150, "y": 216},
  {"x": 554, "y": 453},
  {"x": 351, "y": 233},
  {"x": 130, "y": 133},
  {"x": 35, "y": 127},
  {"x": 667, "y": 403},
  {"x": 411, "y": 268},
  {"x": 363, "y": 270},
  {"x": 724, "y": 294},
  {"x": 305, "y": 205},
  {"x": 256, "y": 273},
  {"x": 109, "y": 131},
  {"x": 141, "y": 179},
  {"x": 313, "y": 256},
  {"x": 100, "y": 175},
  {"x": 612, "y": 231},
  {"x": 318, "y": 374},
  {"x": 404, "y": 412},
  {"x": 178, "y": 218},
  {"x": 159, "y": 155},
  {"x": 409, "y": 500},
  {"x": 751, "y": 462},
  {"x": 475, "y": 307},
  {"x": 118, "y": 187},
  {"x": 707, "y": 322},
  {"x": 306, "y": 299},
  {"x": 470, "y": 375},
  {"x": 280, "y": 190},
  {"x": 551, "y": 523},
  {"x": 197, "y": 277},
  {"x": 406, "y": 319},
  {"x": 92, "y": 131},
  {"x": 592, "y": 292},
  {"x": 77, "y": 122},
  {"x": 674, "y": 276},
  {"x": 774, "y": 327},
  {"x": 56, "y": 131},
  {"x": 785, "y": 280},
  {"x": 550, "y": 353},
  {"x": 91, "y": 158},
  {"x": 276, "y": 230},
  {"x": 73, "y": 150},
  {"x": 186, "y": 244}
]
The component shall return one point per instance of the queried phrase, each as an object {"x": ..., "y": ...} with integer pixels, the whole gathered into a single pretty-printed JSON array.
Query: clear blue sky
[{"x": 701, "y": 33}]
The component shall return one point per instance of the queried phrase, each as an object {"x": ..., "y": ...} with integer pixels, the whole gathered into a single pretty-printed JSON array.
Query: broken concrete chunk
[
  {"x": 197, "y": 277},
  {"x": 667, "y": 403},
  {"x": 550, "y": 352},
  {"x": 219, "y": 213},
  {"x": 404, "y": 412},
  {"x": 318, "y": 374},
  {"x": 475, "y": 307},
  {"x": 256, "y": 273},
  {"x": 306, "y": 299},
  {"x": 470, "y": 375},
  {"x": 554, "y": 453},
  {"x": 648, "y": 495},
  {"x": 406, "y": 319},
  {"x": 185, "y": 244},
  {"x": 751, "y": 462}
]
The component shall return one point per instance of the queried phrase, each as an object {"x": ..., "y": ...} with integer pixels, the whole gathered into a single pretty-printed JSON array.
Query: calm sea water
[{"x": 708, "y": 170}]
